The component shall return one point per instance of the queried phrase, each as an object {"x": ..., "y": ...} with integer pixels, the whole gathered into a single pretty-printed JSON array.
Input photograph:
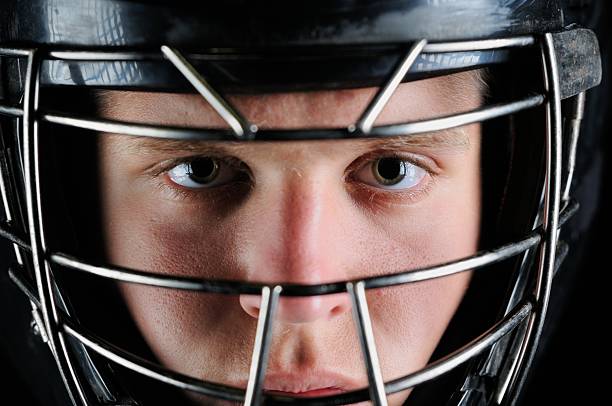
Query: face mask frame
[{"x": 525, "y": 312}]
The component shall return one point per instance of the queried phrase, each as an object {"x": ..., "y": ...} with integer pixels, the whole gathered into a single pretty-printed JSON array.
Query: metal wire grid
[{"x": 57, "y": 324}]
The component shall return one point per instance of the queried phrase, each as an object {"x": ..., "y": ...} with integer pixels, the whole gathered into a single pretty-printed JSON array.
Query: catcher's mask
[{"x": 59, "y": 56}]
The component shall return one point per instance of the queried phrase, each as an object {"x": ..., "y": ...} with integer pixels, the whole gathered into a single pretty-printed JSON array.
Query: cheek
[
  {"x": 175, "y": 324},
  {"x": 409, "y": 320},
  {"x": 161, "y": 237},
  {"x": 177, "y": 327}
]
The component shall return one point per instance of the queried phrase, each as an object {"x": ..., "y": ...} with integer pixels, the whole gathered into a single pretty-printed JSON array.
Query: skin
[{"x": 305, "y": 214}]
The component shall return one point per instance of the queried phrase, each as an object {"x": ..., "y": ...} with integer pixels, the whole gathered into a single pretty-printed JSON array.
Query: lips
[
  {"x": 309, "y": 383},
  {"x": 308, "y": 394}
]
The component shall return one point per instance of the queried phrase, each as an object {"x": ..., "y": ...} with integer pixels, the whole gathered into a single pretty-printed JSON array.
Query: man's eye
[
  {"x": 202, "y": 172},
  {"x": 391, "y": 173}
]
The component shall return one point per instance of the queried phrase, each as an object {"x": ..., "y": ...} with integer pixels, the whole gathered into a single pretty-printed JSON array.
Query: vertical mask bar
[
  {"x": 572, "y": 130},
  {"x": 4, "y": 185},
  {"x": 241, "y": 127},
  {"x": 361, "y": 314},
  {"x": 550, "y": 221},
  {"x": 60, "y": 334},
  {"x": 30, "y": 151},
  {"x": 371, "y": 113},
  {"x": 261, "y": 349},
  {"x": 4, "y": 179}
]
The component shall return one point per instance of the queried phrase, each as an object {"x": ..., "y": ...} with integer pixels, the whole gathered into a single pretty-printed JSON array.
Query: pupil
[
  {"x": 390, "y": 169},
  {"x": 203, "y": 169}
]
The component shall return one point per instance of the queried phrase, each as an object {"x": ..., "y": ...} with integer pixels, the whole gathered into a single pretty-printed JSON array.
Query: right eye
[{"x": 203, "y": 172}]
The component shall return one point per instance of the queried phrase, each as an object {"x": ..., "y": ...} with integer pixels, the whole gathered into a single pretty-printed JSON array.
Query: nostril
[
  {"x": 337, "y": 310},
  {"x": 300, "y": 309},
  {"x": 250, "y": 304}
]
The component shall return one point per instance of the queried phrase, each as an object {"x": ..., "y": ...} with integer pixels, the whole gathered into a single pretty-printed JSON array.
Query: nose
[
  {"x": 297, "y": 310},
  {"x": 299, "y": 239}
]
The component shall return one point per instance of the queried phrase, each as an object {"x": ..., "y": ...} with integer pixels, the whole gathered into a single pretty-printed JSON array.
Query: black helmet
[{"x": 58, "y": 57}]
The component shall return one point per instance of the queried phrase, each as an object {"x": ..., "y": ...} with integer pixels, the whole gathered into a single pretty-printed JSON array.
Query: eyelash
[
  {"x": 381, "y": 197},
  {"x": 178, "y": 192},
  {"x": 368, "y": 193}
]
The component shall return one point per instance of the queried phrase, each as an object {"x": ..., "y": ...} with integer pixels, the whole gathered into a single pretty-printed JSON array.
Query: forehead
[{"x": 306, "y": 109}]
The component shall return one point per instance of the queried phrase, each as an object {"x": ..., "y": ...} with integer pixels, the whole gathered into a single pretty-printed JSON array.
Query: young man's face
[{"x": 305, "y": 212}]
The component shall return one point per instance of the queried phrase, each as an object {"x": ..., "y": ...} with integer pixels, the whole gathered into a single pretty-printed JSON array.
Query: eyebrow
[{"x": 455, "y": 139}]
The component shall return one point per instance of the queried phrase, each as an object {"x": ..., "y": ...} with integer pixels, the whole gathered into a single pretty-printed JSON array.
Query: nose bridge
[
  {"x": 303, "y": 253},
  {"x": 306, "y": 222}
]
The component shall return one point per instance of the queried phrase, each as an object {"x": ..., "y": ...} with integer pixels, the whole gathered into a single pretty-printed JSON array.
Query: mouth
[
  {"x": 330, "y": 391},
  {"x": 309, "y": 384}
]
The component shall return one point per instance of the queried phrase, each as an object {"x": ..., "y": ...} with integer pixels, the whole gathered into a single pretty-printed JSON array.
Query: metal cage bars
[
  {"x": 261, "y": 348},
  {"x": 233, "y": 287},
  {"x": 361, "y": 314},
  {"x": 391, "y": 130},
  {"x": 241, "y": 129},
  {"x": 147, "y": 368},
  {"x": 220, "y": 286},
  {"x": 550, "y": 220},
  {"x": 439, "y": 47},
  {"x": 380, "y": 100},
  {"x": 44, "y": 280},
  {"x": 240, "y": 126},
  {"x": 42, "y": 271}
]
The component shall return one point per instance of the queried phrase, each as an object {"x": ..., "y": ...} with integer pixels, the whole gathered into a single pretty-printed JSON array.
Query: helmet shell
[{"x": 248, "y": 23}]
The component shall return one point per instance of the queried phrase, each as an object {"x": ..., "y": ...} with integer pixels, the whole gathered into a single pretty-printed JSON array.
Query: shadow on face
[{"x": 304, "y": 212}]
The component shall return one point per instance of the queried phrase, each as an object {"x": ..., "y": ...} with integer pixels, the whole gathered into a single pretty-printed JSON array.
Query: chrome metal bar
[
  {"x": 261, "y": 348},
  {"x": 480, "y": 45},
  {"x": 508, "y": 370},
  {"x": 458, "y": 120},
  {"x": 6, "y": 233},
  {"x": 149, "y": 369},
  {"x": 16, "y": 52},
  {"x": 131, "y": 276},
  {"x": 505, "y": 378},
  {"x": 37, "y": 325},
  {"x": 136, "y": 129},
  {"x": 232, "y": 287},
  {"x": 5, "y": 227},
  {"x": 451, "y": 268},
  {"x": 442, "y": 47},
  {"x": 456, "y": 358},
  {"x": 573, "y": 132},
  {"x": 65, "y": 361},
  {"x": 569, "y": 209},
  {"x": 103, "y": 56},
  {"x": 239, "y": 124},
  {"x": 552, "y": 199},
  {"x": 403, "y": 129},
  {"x": 378, "y": 103},
  {"x": 434, "y": 370},
  {"x": 13, "y": 111},
  {"x": 184, "y": 382},
  {"x": 29, "y": 120},
  {"x": 361, "y": 315},
  {"x": 24, "y": 286},
  {"x": 4, "y": 178},
  {"x": 71, "y": 368},
  {"x": 32, "y": 183}
]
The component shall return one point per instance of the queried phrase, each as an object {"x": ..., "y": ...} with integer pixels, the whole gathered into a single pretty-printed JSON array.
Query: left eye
[
  {"x": 391, "y": 173},
  {"x": 202, "y": 172}
]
